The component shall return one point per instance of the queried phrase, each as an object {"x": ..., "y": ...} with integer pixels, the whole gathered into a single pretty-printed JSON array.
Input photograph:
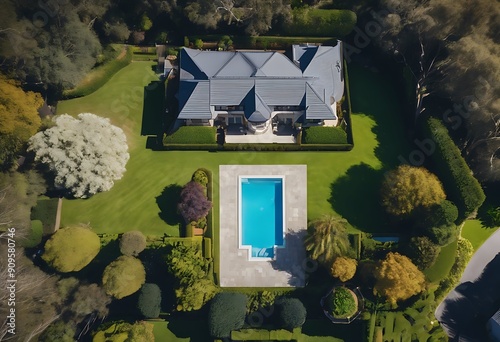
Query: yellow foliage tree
[
  {"x": 19, "y": 118},
  {"x": 397, "y": 278},
  {"x": 407, "y": 188},
  {"x": 344, "y": 268},
  {"x": 123, "y": 277}
]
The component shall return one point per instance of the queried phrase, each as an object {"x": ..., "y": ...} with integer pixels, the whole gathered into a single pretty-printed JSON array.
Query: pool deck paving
[{"x": 288, "y": 269}]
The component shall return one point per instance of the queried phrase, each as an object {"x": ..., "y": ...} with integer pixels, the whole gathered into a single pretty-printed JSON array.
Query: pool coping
[
  {"x": 240, "y": 223},
  {"x": 288, "y": 268}
]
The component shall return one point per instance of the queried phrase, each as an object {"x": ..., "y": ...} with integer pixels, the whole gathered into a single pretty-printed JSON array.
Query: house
[
  {"x": 493, "y": 327},
  {"x": 259, "y": 89}
]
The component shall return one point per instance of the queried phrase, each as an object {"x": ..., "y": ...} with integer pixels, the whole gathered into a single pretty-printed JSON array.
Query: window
[
  {"x": 287, "y": 108},
  {"x": 235, "y": 120},
  {"x": 229, "y": 108}
]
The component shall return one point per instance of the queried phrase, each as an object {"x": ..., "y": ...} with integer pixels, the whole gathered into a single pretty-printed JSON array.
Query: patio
[
  {"x": 288, "y": 269},
  {"x": 282, "y": 134}
]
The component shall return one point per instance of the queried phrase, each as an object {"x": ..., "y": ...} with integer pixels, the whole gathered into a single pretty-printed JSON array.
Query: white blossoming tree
[{"x": 86, "y": 154}]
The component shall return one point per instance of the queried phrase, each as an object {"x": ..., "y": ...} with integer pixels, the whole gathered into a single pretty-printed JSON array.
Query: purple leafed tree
[{"x": 194, "y": 203}]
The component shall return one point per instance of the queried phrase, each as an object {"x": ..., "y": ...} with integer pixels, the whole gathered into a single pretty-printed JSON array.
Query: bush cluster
[
  {"x": 192, "y": 135},
  {"x": 321, "y": 22},
  {"x": 132, "y": 243},
  {"x": 341, "y": 303},
  {"x": 227, "y": 312},
  {"x": 324, "y": 135},
  {"x": 460, "y": 185},
  {"x": 290, "y": 313},
  {"x": 462, "y": 257}
]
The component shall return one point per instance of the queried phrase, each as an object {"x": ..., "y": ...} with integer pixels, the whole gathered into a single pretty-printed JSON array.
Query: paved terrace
[
  {"x": 288, "y": 268},
  {"x": 285, "y": 135}
]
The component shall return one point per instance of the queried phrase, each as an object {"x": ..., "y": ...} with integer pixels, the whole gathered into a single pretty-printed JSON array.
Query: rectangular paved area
[{"x": 287, "y": 269}]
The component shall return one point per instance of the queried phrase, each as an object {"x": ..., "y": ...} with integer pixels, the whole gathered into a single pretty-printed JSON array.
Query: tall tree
[
  {"x": 327, "y": 239},
  {"x": 19, "y": 119},
  {"x": 397, "y": 278},
  {"x": 86, "y": 154},
  {"x": 71, "y": 249},
  {"x": 408, "y": 188},
  {"x": 344, "y": 268}
]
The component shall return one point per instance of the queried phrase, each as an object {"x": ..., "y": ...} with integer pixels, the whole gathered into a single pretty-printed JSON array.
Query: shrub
[
  {"x": 123, "y": 331},
  {"x": 149, "y": 301},
  {"x": 461, "y": 186},
  {"x": 132, "y": 243},
  {"x": 408, "y": 188},
  {"x": 462, "y": 257},
  {"x": 227, "y": 312},
  {"x": 442, "y": 235},
  {"x": 198, "y": 43},
  {"x": 290, "y": 313},
  {"x": 123, "y": 277},
  {"x": 194, "y": 203},
  {"x": 444, "y": 213},
  {"x": 341, "y": 303},
  {"x": 324, "y": 135},
  {"x": 321, "y": 22},
  {"x": 422, "y": 251},
  {"x": 200, "y": 176},
  {"x": 192, "y": 135},
  {"x": 344, "y": 268},
  {"x": 71, "y": 249},
  {"x": 261, "y": 299}
]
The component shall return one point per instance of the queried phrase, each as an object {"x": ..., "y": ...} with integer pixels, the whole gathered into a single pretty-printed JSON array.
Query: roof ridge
[
  {"x": 314, "y": 91},
  {"x": 248, "y": 61},
  {"x": 192, "y": 59}
]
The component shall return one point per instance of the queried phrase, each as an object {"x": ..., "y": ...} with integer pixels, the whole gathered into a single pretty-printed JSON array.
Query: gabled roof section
[
  {"x": 256, "y": 110},
  {"x": 257, "y": 58},
  {"x": 237, "y": 66},
  {"x": 189, "y": 69},
  {"x": 280, "y": 66},
  {"x": 278, "y": 91},
  {"x": 316, "y": 109},
  {"x": 194, "y": 95},
  {"x": 229, "y": 92}
]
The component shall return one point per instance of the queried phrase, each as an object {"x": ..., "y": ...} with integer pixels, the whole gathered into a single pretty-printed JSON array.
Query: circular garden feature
[{"x": 342, "y": 305}]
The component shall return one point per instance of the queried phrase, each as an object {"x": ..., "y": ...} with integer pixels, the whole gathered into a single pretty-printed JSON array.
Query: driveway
[{"x": 465, "y": 311}]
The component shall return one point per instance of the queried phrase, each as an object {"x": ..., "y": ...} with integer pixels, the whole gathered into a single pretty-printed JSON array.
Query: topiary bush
[
  {"x": 123, "y": 277},
  {"x": 341, "y": 303},
  {"x": 461, "y": 186},
  {"x": 200, "y": 176},
  {"x": 149, "y": 302},
  {"x": 227, "y": 312},
  {"x": 132, "y": 243},
  {"x": 290, "y": 313},
  {"x": 324, "y": 135}
]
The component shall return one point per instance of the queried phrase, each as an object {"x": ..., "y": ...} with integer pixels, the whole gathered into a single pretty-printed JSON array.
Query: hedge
[
  {"x": 321, "y": 22},
  {"x": 192, "y": 135},
  {"x": 207, "y": 248},
  {"x": 459, "y": 183},
  {"x": 266, "y": 335},
  {"x": 257, "y": 147},
  {"x": 324, "y": 135},
  {"x": 226, "y": 313}
]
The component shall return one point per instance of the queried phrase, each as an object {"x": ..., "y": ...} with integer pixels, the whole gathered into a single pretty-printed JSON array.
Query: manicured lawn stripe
[{"x": 443, "y": 264}]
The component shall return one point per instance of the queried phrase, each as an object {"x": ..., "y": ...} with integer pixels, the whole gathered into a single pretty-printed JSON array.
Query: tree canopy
[
  {"x": 407, "y": 188},
  {"x": 344, "y": 268},
  {"x": 194, "y": 203},
  {"x": 327, "y": 239},
  {"x": 85, "y": 154},
  {"x": 123, "y": 277},
  {"x": 132, "y": 243},
  {"x": 291, "y": 313},
  {"x": 149, "y": 302},
  {"x": 422, "y": 251},
  {"x": 397, "y": 278},
  {"x": 71, "y": 249},
  {"x": 227, "y": 312},
  {"x": 19, "y": 118}
]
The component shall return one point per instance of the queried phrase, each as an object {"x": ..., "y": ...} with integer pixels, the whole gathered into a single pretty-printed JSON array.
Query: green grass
[
  {"x": 476, "y": 232},
  {"x": 192, "y": 135},
  {"x": 45, "y": 211},
  {"x": 180, "y": 331},
  {"x": 35, "y": 236},
  {"x": 332, "y": 176},
  {"x": 321, "y": 22},
  {"x": 443, "y": 264}
]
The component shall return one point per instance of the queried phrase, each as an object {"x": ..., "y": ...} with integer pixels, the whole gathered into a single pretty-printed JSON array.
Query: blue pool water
[{"x": 262, "y": 215}]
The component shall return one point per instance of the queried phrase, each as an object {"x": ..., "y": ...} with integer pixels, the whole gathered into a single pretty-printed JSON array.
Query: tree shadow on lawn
[
  {"x": 93, "y": 271},
  {"x": 194, "y": 329},
  {"x": 167, "y": 203},
  {"x": 376, "y": 96},
  {"x": 355, "y": 196},
  {"x": 324, "y": 327},
  {"x": 153, "y": 108}
]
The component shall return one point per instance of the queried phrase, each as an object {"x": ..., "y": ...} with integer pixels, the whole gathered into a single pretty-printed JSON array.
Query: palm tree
[{"x": 327, "y": 239}]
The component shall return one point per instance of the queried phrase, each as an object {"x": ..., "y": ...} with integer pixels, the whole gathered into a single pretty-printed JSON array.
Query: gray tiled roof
[{"x": 261, "y": 79}]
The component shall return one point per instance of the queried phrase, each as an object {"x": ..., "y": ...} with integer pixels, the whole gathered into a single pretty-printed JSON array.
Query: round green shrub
[
  {"x": 341, "y": 303},
  {"x": 132, "y": 243},
  {"x": 227, "y": 312},
  {"x": 422, "y": 251},
  {"x": 149, "y": 302},
  {"x": 442, "y": 214},
  {"x": 442, "y": 235},
  {"x": 200, "y": 176},
  {"x": 290, "y": 312}
]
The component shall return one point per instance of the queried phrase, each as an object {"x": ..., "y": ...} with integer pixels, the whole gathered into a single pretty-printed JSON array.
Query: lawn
[
  {"x": 443, "y": 264},
  {"x": 476, "y": 232},
  {"x": 134, "y": 202}
]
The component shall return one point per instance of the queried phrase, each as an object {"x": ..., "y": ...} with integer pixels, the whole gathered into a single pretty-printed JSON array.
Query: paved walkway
[
  {"x": 287, "y": 270},
  {"x": 465, "y": 310}
]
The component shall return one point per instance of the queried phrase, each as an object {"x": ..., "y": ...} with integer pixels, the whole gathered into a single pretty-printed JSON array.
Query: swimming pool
[{"x": 261, "y": 215}]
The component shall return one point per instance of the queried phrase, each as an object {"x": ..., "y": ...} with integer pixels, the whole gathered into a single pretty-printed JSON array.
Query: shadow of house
[
  {"x": 153, "y": 110},
  {"x": 355, "y": 197},
  {"x": 167, "y": 203},
  {"x": 293, "y": 260}
]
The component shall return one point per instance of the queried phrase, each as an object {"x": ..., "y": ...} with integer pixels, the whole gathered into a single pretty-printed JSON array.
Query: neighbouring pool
[{"x": 261, "y": 215}]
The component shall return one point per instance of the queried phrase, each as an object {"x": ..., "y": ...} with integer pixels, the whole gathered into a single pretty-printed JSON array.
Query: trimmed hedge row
[
  {"x": 258, "y": 147},
  {"x": 324, "y": 135},
  {"x": 321, "y": 22},
  {"x": 191, "y": 135},
  {"x": 460, "y": 185},
  {"x": 266, "y": 335}
]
